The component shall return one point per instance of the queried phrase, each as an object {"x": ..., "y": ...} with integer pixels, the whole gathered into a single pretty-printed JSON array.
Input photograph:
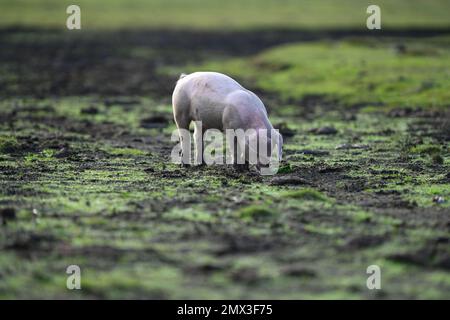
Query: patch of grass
[
  {"x": 153, "y": 282},
  {"x": 323, "y": 230},
  {"x": 370, "y": 73},
  {"x": 306, "y": 194},
  {"x": 126, "y": 152},
  {"x": 285, "y": 169},
  {"x": 190, "y": 214},
  {"x": 8, "y": 144},
  {"x": 424, "y": 194},
  {"x": 255, "y": 212},
  {"x": 437, "y": 158},
  {"x": 362, "y": 216},
  {"x": 429, "y": 149},
  {"x": 217, "y": 14},
  {"x": 44, "y": 155}
]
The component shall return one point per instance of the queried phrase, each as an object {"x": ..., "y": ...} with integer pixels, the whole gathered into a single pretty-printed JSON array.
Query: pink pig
[{"x": 215, "y": 101}]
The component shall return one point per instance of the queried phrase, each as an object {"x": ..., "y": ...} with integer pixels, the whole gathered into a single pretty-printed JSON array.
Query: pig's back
[
  {"x": 213, "y": 84},
  {"x": 208, "y": 92}
]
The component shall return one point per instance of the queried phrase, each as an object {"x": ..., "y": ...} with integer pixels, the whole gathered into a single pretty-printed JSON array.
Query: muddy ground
[{"x": 86, "y": 179}]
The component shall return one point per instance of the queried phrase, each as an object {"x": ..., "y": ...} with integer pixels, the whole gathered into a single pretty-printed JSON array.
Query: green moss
[
  {"x": 138, "y": 281},
  {"x": 367, "y": 73},
  {"x": 437, "y": 158},
  {"x": 324, "y": 230},
  {"x": 429, "y": 149},
  {"x": 190, "y": 214},
  {"x": 126, "y": 152},
  {"x": 233, "y": 14},
  {"x": 255, "y": 212},
  {"x": 44, "y": 155},
  {"x": 306, "y": 194},
  {"x": 8, "y": 144},
  {"x": 362, "y": 216},
  {"x": 424, "y": 194},
  {"x": 285, "y": 169}
]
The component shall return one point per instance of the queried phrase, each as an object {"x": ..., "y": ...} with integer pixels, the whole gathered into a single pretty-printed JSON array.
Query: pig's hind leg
[
  {"x": 182, "y": 120},
  {"x": 198, "y": 143},
  {"x": 239, "y": 161}
]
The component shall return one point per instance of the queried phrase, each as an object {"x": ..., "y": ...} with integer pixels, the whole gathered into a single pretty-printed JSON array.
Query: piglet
[{"x": 215, "y": 101}]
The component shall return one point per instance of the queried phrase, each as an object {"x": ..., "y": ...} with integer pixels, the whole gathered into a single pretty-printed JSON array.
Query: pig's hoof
[
  {"x": 200, "y": 163},
  {"x": 241, "y": 167},
  {"x": 185, "y": 165}
]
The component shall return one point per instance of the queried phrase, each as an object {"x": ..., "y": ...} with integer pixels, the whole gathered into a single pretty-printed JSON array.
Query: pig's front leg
[
  {"x": 239, "y": 161},
  {"x": 198, "y": 143},
  {"x": 183, "y": 131},
  {"x": 185, "y": 149}
]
